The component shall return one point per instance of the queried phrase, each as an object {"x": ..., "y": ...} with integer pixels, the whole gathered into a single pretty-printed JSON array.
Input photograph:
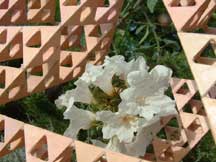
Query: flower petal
[
  {"x": 142, "y": 140},
  {"x": 116, "y": 146},
  {"x": 79, "y": 119},
  {"x": 161, "y": 76},
  {"x": 65, "y": 100}
]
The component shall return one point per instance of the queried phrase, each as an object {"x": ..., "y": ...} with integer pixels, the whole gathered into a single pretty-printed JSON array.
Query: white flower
[
  {"x": 145, "y": 96},
  {"x": 155, "y": 82},
  {"x": 99, "y": 77},
  {"x": 143, "y": 139},
  {"x": 113, "y": 145},
  {"x": 120, "y": 67},
  {"x": 119, "y": 124},
  {"x": 79, "y": 119},
  {"x": 116, "y": 146},
  {"x": 139, "y": 144},
  {"x": 80, "y": 94}
]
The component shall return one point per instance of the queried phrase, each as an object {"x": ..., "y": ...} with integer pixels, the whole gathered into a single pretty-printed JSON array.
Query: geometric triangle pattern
[
  {"x": 181, "y": 134},
  {"x": 37, "y": 52},
  {"x": 44, "y": 146},
  {"x": 202, "y": 63},
  {"x": 193, "y": 14}
]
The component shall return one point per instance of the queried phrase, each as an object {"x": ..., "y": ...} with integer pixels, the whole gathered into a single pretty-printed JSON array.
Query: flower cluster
[{"x": 123, "y": 100}]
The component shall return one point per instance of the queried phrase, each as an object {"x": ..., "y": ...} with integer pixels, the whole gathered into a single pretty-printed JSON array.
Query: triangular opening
[
  {"x": 207, "y": 55},
  {"x": 34, "y": 4},
  {"x": 184, "y": 89},
  {"x": 3, "y": 36},
  {"x": 40, "y": 150},
  {"x": 2, "y": 131},
  {"x": 37, "y": 71},
  {"x": 74, "y": 157},
  {"x": 106, "y": 3},
  {"x": 15, "y": 156},
  {"x": 71, "y": 2},
  {"x": 96, "y": 32},
  {"x": 185, "y": 3},
  {"x": 150, "y": 149},
  {"x": 211, "y": 21},
  {"x": 173, "y": 123},
  {"x": 2, "y": 79},
  {"x": 186, "y": 145},
  {"x": 16, "y": 63},
  {"x": 187, "y": 109},
  {"x": 162, "y": 134},
  {"x": 150, "y": 154},
  {"x": 101, "y": 158},
  {"x": 77, "y": 41},
  {"x": 67, "y": 62},
  {"x": 35, "y": 40}
]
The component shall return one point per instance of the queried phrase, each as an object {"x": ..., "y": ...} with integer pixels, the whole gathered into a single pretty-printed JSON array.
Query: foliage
[{"x": 138, "y": 34}]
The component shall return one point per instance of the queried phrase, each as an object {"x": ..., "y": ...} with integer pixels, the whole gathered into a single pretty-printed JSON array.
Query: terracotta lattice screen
[
  {"x": 38, "y": 51},
  {"x": 195, "y": 17}
]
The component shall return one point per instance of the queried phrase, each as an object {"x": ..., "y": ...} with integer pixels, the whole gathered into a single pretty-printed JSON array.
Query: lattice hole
[
  {"x": 184, "y": 89},
  {"x": 182, "y": 3},
  {"x": 150, "y": 149},
  {"x": 74, "y": 39},
  {"x": 71, "y": 2},
  {"x": 162, "y": 134},
  {"x": 74, "y": 157},
  {"x": 173, "y": 123},
  {"x": 187, "y": 108},
  {"x": 40, "y": 150},
  {"x": 185, "y": 145},
  {"x": 96, "y": 32},
  {"x": 106, "y": 3},
  {"x": 16, "y": 63},
  {"x": 37, "y": 71},
  {"x": 67, "y": 62},
  {"x": 35, "y": 40},
  {"x": 2, "y": 131},
  {"x": 2, "y": 79},
  {"x": 207, "y": 55}
]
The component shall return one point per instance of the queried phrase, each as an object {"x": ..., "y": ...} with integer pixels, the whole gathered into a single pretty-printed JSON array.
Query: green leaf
[{"x": 151, "y": 5}]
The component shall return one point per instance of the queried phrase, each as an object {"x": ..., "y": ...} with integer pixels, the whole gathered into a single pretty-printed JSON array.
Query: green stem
[{"x": 153, "y": 31}]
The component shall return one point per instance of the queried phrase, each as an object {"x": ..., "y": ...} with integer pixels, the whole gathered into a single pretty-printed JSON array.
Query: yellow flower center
[
  {"x": 128, "y": 118},
  {"x": 140, "y": 100}
]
